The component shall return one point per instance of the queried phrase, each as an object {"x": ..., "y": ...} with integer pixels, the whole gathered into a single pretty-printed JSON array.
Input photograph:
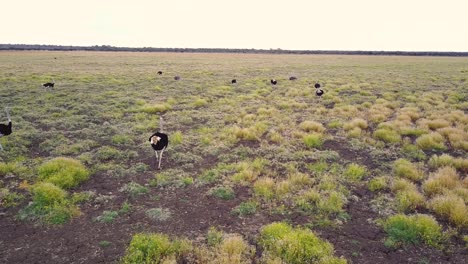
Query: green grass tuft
[{"x": 63, "y": 172}]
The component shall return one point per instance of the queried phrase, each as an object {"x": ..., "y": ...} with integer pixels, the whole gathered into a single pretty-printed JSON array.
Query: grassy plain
[{"x": 374, "y": 170}]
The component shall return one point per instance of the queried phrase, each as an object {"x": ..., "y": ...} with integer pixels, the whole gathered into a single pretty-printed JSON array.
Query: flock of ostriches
[{"x": 159, "y": 140}]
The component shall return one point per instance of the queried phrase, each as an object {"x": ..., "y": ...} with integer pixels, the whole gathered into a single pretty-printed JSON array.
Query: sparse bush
[
  {"x": 296, "y": 245},
  {"x": 107, "y": 216},
  {"x": 107, "y": 153},
  {"x": 156, "y": 108},
  {"x": 223, "y": 192},
  {"x": 412, "y": 152},
  {"x": 63, "y": 172},
  {"x": 356, "y": 122},
  {"x": 387, "y": 136},
  {"x": 214, "y": 237},
  {"x": 452, "y": 207},
  {"x": 355, "y": 172},
  {"x": 200, "y": 102},
  {"x": 158, "y": 214},
  {"x": 335, "y": 124},
  {"x": 408, "y": 200},
  {"x": 354, "y": 132},
  {"x": 245, "y": 208},
  {"x": 9, "y": 199},
  {"x": 264, "y": 188},
  {"x": 134, "y": 189},
  {"x": 433, "y": 141},
  {"x": 402, "y": 185},
  {"x": 333, "y": 202},
  {"x": 233, "y": 249},
  {"x": 176, "y": 138},
  {"x": 312, "y": 126},
  {"x": 313, "y": 140},
  {"x": 413, "y": 229},
  {"x": 406, "y": 169},
  {"x": 445, "y": 178},
  {"x": 377, "y": 183},
  {"x": 123, "y": 140},
  {"x": 148, "y": 248},
  {"x": 447, "y": 160},
  {"x": 47, "y": 194}
]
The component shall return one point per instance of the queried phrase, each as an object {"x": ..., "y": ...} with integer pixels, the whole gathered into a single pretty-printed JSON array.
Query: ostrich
[
  {"x": 159, "y": 142},
  {"x": 5, "y": 130},
  {"x": 317, "y": 85},
  {"x": 49, "y": 84},
  {"x": 234, "y": 81},
  {"x": 159, "y": 72},
  {"x": 292, "y": 78},
  {"x": 319, "y": 92},
  {"x": 273, "y": 81},
  {"x": 177, "y": 78}
]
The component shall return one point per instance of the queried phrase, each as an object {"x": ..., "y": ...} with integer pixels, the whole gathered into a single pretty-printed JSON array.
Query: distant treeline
[{"x": 219, "y": 50}]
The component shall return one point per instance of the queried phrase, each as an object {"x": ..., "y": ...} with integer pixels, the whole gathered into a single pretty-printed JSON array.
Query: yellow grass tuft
[
  {"x": 452, "y": 208},
  {"x": 312, "y": 126},
  {"x": 438, "y": 182}
]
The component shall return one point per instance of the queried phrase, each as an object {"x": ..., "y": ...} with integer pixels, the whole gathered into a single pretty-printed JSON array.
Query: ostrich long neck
[
  {"x": 8, "y": 114},
  {"x": 161, "y": 124}
]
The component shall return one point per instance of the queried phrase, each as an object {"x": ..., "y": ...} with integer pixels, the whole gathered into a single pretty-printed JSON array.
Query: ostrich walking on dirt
[
  {"x": 159, "y": 142},
  {"x": 5, "y": 130}
]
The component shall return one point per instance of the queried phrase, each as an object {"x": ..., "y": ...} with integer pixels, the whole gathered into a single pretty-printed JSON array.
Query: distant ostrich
[
  {"x": 319, "y": 92},
  {"x": 49, "y": 84},
  {"x": 177, "y": 78},
  {"x": 5, "y": 130},
  {"x": 159, "y": 142},
  {"x": 292, "y": 78},
  {"x": 159, "y": 72},
  {"x": 317, "y": 85},
  {"x": 273, "y": 81},
  {"x": 234, "y": 81}
]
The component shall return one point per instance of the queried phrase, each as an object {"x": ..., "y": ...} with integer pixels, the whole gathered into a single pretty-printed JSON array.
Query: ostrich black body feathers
[{"x": 161, "y": 143}]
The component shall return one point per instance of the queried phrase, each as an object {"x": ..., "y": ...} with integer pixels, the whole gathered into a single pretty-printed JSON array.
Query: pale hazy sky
[{"x": 405, "y": 25}]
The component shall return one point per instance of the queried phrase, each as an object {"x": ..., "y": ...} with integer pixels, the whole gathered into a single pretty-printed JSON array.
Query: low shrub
[
  {"x": 377, "y": 184},
  {"x": 296, "y": 245},
  {"x": 413, "y": 229},
  {"x": 451, "y": 207},
  {"x": 355, "y": 172},
  {"x": 406, "y": 169},
  {"x": 63, "y": 172},
  {"x": 387, "y": 136},
  {"x": 313, "y": 140}
]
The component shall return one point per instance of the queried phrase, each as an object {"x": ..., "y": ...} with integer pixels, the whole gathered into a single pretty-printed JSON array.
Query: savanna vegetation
[{"x": 374, "y": 171}]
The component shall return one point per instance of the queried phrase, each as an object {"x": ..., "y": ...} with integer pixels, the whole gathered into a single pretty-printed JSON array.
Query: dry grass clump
[
  {"x": 407, "y": 196},
  {"x": 356, "y": 122},
  {"x": 437, "y": 124},
  {"x": 451, "y": 207},
  {"x": 248, "y": 171},
  {"x": 457, "y": 138},
  {"x": 447, "y": 160},
  {"x": 445, "y": 178},
  {"x": 406, "y": 169},
  {"x": 387, "y": 135},
  {"x": 312, "y": 126},
  {"x": 379, "y": 113},
  {"x": 433, "y": 141}
]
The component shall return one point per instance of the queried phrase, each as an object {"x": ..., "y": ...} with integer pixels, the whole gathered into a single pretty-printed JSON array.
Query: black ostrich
[
  {"x": 234, "y": 81},
  {"x": 159, "y": 142},
  {"x": 159, "y": 72},
  {"x": 177, "y": 78},
  {"x": 273, "y": 81},
  {"x": 292, "y": 78},
  {"x": 49, "y": 84},
  {"x": 319, "y": 92},
  {"x": 5, "y": 130},
  {"x": 317, "y": 85}
]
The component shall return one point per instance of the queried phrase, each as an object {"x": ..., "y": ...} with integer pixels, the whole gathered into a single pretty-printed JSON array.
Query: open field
[{"x": 374, "y": 171}]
